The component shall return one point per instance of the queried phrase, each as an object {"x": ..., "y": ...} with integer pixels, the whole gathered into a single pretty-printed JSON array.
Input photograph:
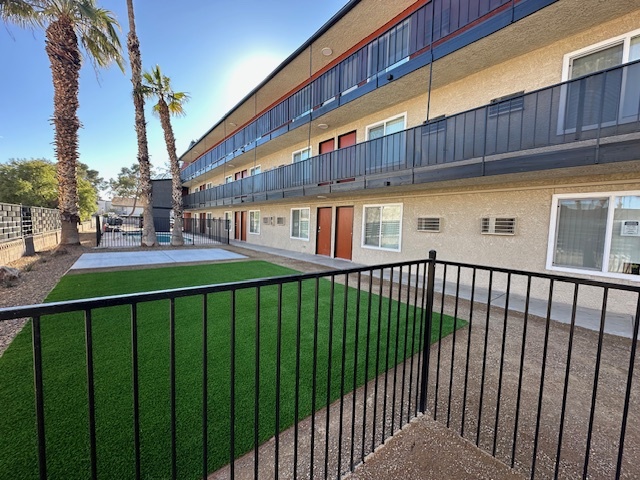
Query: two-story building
[{"x": 502, "y": 132}]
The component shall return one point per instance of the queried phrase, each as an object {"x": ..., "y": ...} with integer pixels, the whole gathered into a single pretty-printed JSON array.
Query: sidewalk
[{"x": 615, "y": 323}]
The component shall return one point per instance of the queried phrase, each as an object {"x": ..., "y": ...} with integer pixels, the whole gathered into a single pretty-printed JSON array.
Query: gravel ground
[
  {"x": 40, "y": 273},
  {"x": 425, "y": 448}
]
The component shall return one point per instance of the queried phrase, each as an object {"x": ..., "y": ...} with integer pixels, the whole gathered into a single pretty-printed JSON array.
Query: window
[
  {"x": 384, "y": 153},
  {"x": 227, "y": 221},
  {"x": 606, "y": 98},
  {"x": 254, "y": 222},
  {"x": 228, "y": 179},
  {"x": 382, "y": 226},
  {"x": 255, "y": 170},
  {"x": 209, "y": 185},
  {"x": 301, "y": 155},
  {"x": 300, "y": 223},
  {"x": 387, "y": 127},
  {"x": 596, "y": 233}
]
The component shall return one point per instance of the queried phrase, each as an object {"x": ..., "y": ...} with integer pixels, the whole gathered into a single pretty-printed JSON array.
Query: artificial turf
[{"x": 65, "y": 383}]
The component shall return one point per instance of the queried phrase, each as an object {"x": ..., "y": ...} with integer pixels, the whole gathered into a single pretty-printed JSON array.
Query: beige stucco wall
[{"x": 460, "y": 239}]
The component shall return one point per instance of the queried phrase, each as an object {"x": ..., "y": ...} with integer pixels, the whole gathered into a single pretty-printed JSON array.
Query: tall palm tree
[
  {"x": 158, "y": 86},
  {"x": 149, "y": 238},
  {"x": 17, "y": 11},
  {"x": 68, "y": 25}
]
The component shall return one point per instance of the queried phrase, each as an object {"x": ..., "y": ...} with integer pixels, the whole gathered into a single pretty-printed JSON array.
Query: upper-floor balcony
[{"x": 589, "y": 120}]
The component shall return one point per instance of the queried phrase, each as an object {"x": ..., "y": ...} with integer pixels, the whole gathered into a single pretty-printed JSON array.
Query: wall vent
[
  {"x": 499, "y": 226},
  {"x": 428, "y": 224}
]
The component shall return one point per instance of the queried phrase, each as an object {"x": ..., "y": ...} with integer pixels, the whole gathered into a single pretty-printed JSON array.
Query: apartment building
[{"x": 501, "y": 132}]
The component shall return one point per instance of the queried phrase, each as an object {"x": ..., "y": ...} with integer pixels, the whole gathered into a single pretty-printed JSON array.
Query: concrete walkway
[
  {"x": 620, "y": 324},
  {"x": 154, "y": 257}
]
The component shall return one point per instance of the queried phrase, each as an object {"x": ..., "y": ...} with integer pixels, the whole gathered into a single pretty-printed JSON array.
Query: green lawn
[{"x": 65, "y": 388}]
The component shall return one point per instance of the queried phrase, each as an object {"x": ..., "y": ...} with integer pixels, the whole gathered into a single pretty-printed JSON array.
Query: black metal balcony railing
[
  {"x": 539, "y": 395},
  {"x": 412, "y": 36},
  {"x": 594, "y": 107}
]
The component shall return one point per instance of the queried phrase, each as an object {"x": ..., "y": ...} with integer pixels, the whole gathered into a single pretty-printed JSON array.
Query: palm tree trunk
[
  {"x": 64, "y": 56},
  {"x": 148, "y": 238},
  {"x": 176, "y": 191}
]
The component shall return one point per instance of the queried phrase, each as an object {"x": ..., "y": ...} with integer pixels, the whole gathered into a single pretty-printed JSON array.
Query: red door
[
  {"x": 203, "y": 222},
  {"x": 346, "y": 140},
  {"x": 236, "y": 226},
  {"x": 344, "y": 232},
  {"x": 327, "y": 146},
  {"x": 243, "y": 226},
  {"x": 323, "y": 235},
  {"x": 186, "y": 222}
]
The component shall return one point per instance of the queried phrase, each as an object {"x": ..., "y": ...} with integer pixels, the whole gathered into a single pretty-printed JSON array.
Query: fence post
[
  {"x": 428, "y": 313},
  {"x": 98, "y": 231}
]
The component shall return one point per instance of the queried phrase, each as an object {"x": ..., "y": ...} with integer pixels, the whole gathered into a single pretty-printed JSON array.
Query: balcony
[{"x": 590, "y": 120}]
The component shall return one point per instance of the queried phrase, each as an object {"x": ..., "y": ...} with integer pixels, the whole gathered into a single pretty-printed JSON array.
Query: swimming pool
[{"x": 164, "y": 238}]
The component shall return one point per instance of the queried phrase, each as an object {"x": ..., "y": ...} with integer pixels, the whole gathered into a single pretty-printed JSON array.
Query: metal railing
[
  {"x": 126, "y": 231},
  {"x": 414, "y": 35},
  {"x": 338, "y": 362},
  {"x": 588, "y": 109},
  {"x": 20, "y": 221}
]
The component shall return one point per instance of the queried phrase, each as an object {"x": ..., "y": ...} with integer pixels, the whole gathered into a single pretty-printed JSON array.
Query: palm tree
[
  {"x": 68, "y": 25},
  {"x": 158, "y": 86},
  {"x": 149, "y": 238},
  {"x": 17, "y": 11}
]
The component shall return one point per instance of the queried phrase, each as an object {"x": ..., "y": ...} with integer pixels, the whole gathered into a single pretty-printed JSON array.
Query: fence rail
[
  {"x": 126, "y": 231},
  {"x": 586, "y": 109},
  {"x": 329, "y": 366},
  {"x": 19, "y": 221}
]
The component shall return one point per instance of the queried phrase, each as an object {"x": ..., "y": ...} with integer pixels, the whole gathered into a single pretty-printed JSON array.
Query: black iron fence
[
  {"x": 126, "y": 231},
  {"x": 587, "y": 109},
  {"x": 305, "y": 375},
  {"x": 19, "y": 221}
]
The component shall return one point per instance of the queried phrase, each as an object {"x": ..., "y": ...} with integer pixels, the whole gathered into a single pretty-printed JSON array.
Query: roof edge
[{"x": 322, "y": 30}]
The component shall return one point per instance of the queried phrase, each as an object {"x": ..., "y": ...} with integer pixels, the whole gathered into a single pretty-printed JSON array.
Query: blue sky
[{"x": 214, "y": 50}]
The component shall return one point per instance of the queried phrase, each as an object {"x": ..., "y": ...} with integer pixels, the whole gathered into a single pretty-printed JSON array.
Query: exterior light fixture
[
  {"x": 326, "y": 51},
  {"x": 229, "y": 165},
  {"x": 233, "y": 124},
  {"x": 323, "y": 126},
  {"x": 321, "y": 196}
]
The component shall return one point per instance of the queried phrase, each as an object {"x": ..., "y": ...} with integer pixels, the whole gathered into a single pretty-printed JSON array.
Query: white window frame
[
  {"x": 252, "y": 213},
  {"x": 567, "y": 63},
  {"x": 228, "y": 179},
  {"x": 384, "y": 122},
  {"x": 364, "y": 220},
  {"x": 293, "y": 154},
  {"x": 607, "y": 241},
  {"x": 228, "y": 215},
  {"x": 252, "y": 170},
  {"x": 208, "y": 185},
  {"x": 625, "y": 39},
  {"x": 291, "y": 224}
]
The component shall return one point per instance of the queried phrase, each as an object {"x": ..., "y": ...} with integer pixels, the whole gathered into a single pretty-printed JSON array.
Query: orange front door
[
  {"x": 347, "y": 139},
  {"x": 243, "y": 226},
  {"x": 344, "y": 232},
  {"x": 327, "y": 146},
  {"x": 323, "y": 235}
]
